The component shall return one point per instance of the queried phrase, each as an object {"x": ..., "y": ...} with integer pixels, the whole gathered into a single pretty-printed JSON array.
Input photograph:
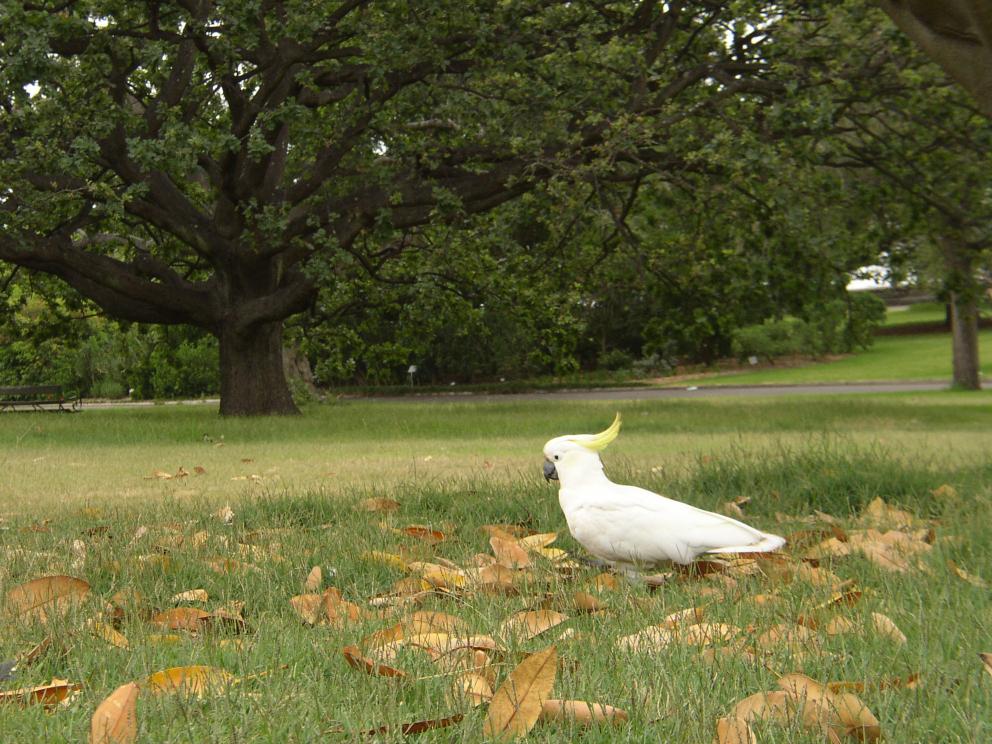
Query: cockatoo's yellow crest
[{"x": 598, "y": 442}]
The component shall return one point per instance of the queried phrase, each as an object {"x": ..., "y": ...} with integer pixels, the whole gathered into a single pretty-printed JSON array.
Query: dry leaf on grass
[
  {"x": 585, "y": 602},
  {"x": 965, "y": 576},
  {"x": 472, "y": 687},
  {"x": 115, "y": 720},
  {"x": 438, "y": 576},
  {"x": 357, "y": 660},
  {"x": 578, "y": 711},
  {"x": 196, "y": 680},
  {"x": 881, "y": 514},
  {"x": 733, "y": 731},
  {"x": 518, "y": 702},
  {"x": 762, "y": 706},
  {"x": 530, "y": 623},
  {"x": 829, "y": 712},
  {"x": 417, "y": 727},
  {"x": 47, "y": 597},
  {"x": 422, "y": 532},
  {"x": 658, "y": 637},
  {"x": 986, "y": 660},
  {"x": 885, "y": 627},
  {"x": 190, "y": 619},
  {"x": 338, "y": 610},
  {"x": 310, "y": 607},
  {"x": 509, "y": 553},
  {"x": 388, "y": 559},
  {"x": 48, "y": 695},
  {"x": 107, "y": 633},
  {"x": 892, "y": 683},
  {"x": 538, "y": 541},
  {"x": 191, "y": 595},
  {"x": 314, "y": 580}
]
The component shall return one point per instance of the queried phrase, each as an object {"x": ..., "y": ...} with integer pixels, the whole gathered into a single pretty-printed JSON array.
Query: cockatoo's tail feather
[
  {"x": 767, "y": 544},
  {"x": 599, "y": 442}
]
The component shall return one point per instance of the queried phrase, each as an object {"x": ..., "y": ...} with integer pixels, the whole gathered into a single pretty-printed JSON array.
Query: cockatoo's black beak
[{"x": 550, "y": 473}]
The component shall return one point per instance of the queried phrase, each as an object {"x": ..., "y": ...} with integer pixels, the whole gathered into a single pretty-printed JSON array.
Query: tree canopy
[{"x": 208, "y": 162}]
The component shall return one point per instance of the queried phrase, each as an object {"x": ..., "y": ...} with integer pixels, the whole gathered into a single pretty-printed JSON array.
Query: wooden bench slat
[{"x": 37, "y": 398}]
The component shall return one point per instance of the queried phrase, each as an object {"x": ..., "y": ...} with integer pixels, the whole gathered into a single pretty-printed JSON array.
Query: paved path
[
  {"x": 638, "y": 393},
  {"x": 689, "y": 391}
]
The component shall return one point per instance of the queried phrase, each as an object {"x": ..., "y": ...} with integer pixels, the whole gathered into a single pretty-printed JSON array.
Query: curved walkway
[
  {"x": 638, "y": 393},
  {"x": 691, "y": 391}
]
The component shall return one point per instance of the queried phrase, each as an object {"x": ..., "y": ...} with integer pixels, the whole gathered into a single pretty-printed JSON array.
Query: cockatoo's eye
[{"x": 557, "y": 457}]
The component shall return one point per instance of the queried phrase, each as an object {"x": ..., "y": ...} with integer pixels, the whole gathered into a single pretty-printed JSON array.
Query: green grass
[
  {"x": 921, "y": 312},
  {"x": 85, "y": 474},
  {"x": 907, "y": 358}
]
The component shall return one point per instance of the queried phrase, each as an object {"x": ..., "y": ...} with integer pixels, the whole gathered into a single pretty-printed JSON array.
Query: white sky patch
[{"x": 868, "y": 278}]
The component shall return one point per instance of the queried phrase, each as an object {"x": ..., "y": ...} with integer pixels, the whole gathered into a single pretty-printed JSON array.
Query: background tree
[
  {"x": 208, "y": 163},
  {"x": 918, "y": 151},
  {"x": 956, "y": 34}
]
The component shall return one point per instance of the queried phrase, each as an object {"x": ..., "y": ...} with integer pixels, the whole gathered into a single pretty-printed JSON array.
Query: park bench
[{"x": 37, "y": 398}]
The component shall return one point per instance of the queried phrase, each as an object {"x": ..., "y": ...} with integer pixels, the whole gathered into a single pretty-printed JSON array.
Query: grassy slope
[
  {"x": 921, "y": 312},
  {"x": 789, "y": 456},
  {"x": 926, "y": 357}
]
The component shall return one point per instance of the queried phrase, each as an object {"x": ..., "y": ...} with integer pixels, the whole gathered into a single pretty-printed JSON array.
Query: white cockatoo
[{"x": 630, "y": 527}]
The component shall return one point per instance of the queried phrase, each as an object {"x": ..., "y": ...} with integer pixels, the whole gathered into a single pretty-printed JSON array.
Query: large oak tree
[{"x": 208, "y": 162}]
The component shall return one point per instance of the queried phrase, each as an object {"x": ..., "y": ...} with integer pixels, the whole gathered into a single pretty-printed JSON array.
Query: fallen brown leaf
[
  {"x": 585, "y": 602},
  {"x": 422, "y": 532},
  {"x": 509, "y": 553},
  {"x": 47, "y": 597},
  {"x": 191, "y": 595},
  {"x": 107, "y": 633},
  {"x": 48, "y": 695},
  {"x": 310, "y": 607},
  {"x": 886, "y": 628},
  {"x": 417, "y": 727},
  {"x": 191, "y": 619},
  {"x": 964, "y": 575},
  {"x": 733, "y": 731},
  {"x": 538, "y": 541},
  {"x": 518, "y": 702},
  {"x": 338, "y": 610},
  {"x": 356, "y": 659},
  {"x": 115, "y": 720},
  {"x": 986, "y": 660},
  {"x": 581, "y": 712},
  {"x": 196, "y": 680},
  {"x": 314, "y": 580},
  {"x": 473, "y": 687},
  {"x": 530, "y": 623}
]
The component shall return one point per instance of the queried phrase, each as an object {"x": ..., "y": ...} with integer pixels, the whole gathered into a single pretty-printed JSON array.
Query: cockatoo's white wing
[{"x": 632, "y": 525}]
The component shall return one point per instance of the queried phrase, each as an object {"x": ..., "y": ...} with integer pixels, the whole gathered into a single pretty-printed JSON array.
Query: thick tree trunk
[
  {"x": 959, "y": 267},
  {"x": 964, "y": 331},
  {"x": 252, "y": 379}
]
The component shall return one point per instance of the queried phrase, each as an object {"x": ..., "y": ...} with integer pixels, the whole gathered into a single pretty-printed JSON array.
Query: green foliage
[
  {"x": 771, "y": 339},
  {"x": 832, "y": 328}
]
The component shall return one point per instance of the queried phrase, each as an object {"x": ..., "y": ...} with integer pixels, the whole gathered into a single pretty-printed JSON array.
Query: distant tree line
[{"x": 482, "y": 190}]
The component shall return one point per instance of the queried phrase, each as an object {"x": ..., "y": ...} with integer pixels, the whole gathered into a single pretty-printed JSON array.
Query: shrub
[
  {"x": 773, "y": 338},
  {"x": 615, "y": 359}
]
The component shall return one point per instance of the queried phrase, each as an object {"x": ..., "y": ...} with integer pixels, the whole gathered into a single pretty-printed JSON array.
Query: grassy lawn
[
  {"x": 924, "y": 357},
  {"x": 921, "y": 312},
  {"x": 79, "y": 496}
]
